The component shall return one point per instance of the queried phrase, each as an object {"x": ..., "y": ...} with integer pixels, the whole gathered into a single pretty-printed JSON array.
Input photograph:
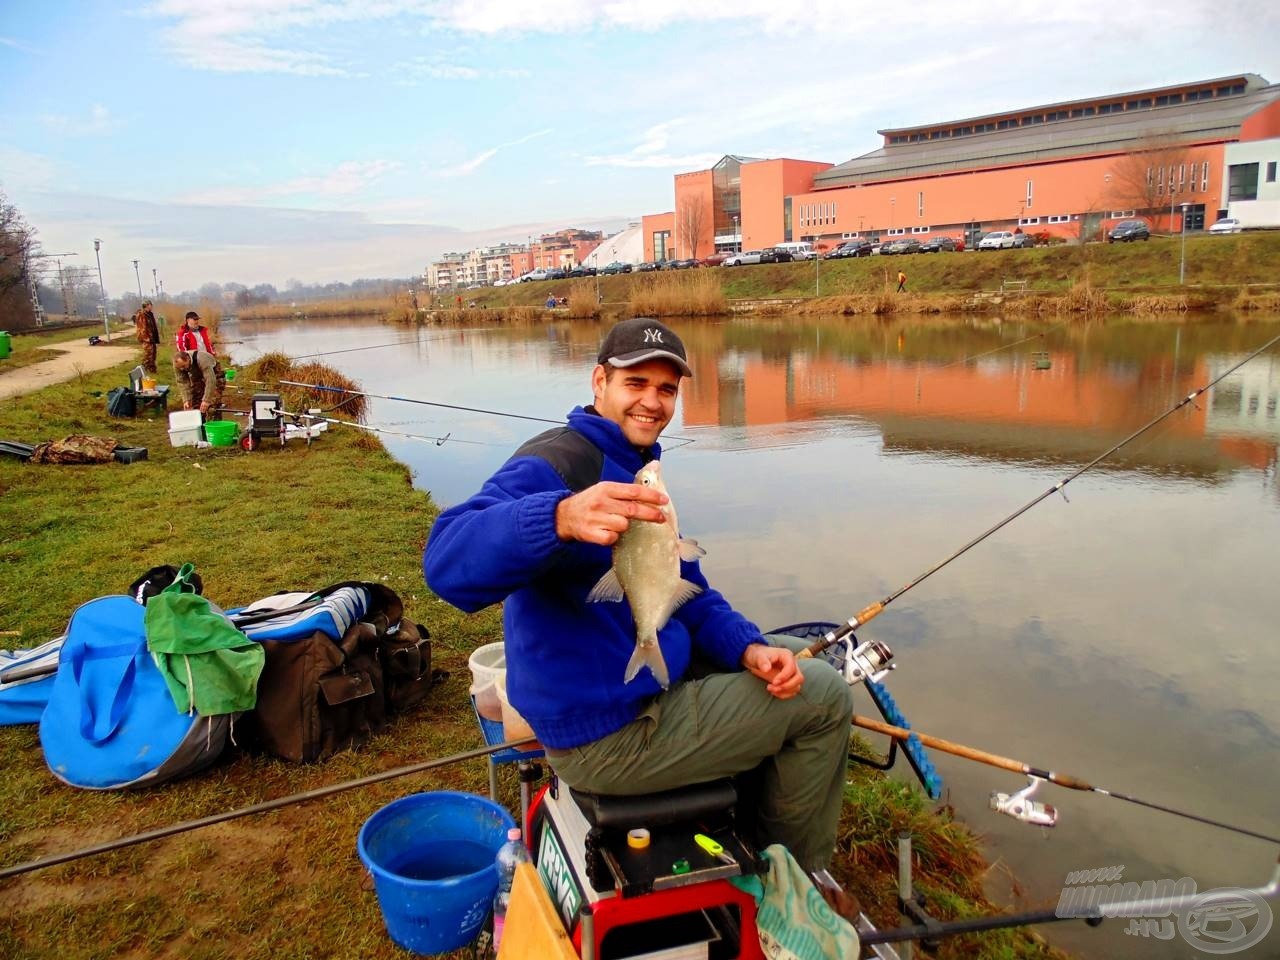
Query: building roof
[{"x": 1200, "y": 120}]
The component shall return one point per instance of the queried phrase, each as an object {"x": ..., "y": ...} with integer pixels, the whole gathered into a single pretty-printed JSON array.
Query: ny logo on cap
[{"x": 652, "y": 336}]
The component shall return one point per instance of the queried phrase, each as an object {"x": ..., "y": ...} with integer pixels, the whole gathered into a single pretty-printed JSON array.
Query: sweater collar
[{"x": 608, "y": 436}]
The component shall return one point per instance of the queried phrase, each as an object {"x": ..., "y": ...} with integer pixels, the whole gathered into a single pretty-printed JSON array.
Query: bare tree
[
  {"x": 1158, "y": 173},
  {"x": 689, "y": 219},
  {"x": 17, "y": 241}
]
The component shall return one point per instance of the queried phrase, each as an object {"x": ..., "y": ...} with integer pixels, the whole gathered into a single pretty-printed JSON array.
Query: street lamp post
[
  {"x": 102, "y": 290},
  {"x": 139, "y": 278},
  {"x": 155, "y": 284},
  {"x": 1182, "y": 263}
]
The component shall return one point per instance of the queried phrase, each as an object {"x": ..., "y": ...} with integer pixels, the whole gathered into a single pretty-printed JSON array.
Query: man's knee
[{"x": 825, "y": 685}]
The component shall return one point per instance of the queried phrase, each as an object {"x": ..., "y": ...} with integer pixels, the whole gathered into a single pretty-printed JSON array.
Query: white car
[
  {"x": 1226, "y": 225},
  {"x": 997, "y": 240},
  {"x": 738, "y": 259}
]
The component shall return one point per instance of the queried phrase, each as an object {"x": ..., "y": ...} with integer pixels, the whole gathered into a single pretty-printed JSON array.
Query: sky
[{"x": 260, "y": 141}]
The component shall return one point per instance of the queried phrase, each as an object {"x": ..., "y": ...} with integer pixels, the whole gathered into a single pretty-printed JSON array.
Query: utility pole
[
  {"x": 102, "y": 290},
  {"x": 155, "y": 284},
  {"x": 139, "y": 276}
]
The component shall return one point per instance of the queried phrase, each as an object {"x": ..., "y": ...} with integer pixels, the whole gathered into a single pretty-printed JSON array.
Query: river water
[{"x": 1124, "y": 633}]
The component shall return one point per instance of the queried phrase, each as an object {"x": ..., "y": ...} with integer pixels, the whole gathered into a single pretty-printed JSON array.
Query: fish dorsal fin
[
  {"x": 689, "y": 550},
  {"x": 607, "y": 589}
]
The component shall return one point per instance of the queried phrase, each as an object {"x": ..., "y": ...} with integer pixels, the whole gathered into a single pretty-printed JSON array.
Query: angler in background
[
  {"x": 538, "y": 536},
  {"x": 144, "y": 322},
  {"x": 200, "y": 375},
  {"x": 194, "y": 335}
]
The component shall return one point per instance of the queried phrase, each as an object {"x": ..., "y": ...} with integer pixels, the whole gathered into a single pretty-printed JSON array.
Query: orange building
[{"x": 1068, "y": 169}]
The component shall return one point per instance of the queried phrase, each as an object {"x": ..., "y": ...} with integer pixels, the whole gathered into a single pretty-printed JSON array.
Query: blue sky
[{"x": 263, "y": 140}]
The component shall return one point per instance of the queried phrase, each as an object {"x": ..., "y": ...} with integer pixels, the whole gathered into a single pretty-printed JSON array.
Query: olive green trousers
[{"x": 723, "y": 724}]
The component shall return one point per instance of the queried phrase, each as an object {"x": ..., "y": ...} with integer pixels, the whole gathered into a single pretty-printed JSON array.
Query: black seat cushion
[{"x": 656, "y": 809}]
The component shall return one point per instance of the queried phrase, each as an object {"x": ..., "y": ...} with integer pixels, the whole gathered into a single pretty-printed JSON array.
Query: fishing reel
[
  {"x": 869, "y": 660},
  {"x": 1020, "y": 806}
]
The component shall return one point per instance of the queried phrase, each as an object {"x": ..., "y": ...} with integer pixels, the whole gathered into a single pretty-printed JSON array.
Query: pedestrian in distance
[
  {"x": 144, "y": 322},
  {"x": 717, "y": 698},
  {"x": 902, "y": 281}
]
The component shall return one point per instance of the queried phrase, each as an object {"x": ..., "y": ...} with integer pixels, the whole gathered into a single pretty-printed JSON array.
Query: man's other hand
[
  {"x": 601, "y": 513},
  {"x": 776, "y": 666},
  {"x": 204, "y": 406}
]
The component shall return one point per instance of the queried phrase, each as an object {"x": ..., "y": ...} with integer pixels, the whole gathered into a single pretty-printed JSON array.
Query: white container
[
  {"x": 185, "y": 428},
  {"x": 514, "y": 726},
  {"x": 488, "y": 664}
]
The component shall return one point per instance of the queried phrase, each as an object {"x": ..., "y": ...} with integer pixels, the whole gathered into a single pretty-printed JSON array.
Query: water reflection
[{"x": 1124, "y": 636}]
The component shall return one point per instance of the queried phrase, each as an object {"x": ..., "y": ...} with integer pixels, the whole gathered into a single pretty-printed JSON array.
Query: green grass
[
  {"x": 287, "y": 883},
  {"x": 1226, "y": 262}
]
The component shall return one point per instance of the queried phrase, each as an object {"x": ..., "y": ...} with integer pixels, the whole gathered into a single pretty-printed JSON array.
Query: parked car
[
  {"x": 616, "y": 267},
  {"x": 1226, "y": 225},
  {"x": 937, "y": 245},
  {"x": 851, "y": 248},
  {"x": 905, "y": 245},
  {"x": 557, "y": 273},
  {"x": 532, "y": 275},
  {"x": 1129, "y": 231},
  {"x": 775, "y": 255},
  {"x": 1024, "y": 240},
  {"x": 798, "y": 249},
  {"x": 581, "y": 271},
  {"x": 647, "y": 267},
  {"x": 687, "y": 264},
  {"x": 715, "y": 259},
  {"x": 996, "y": 240},
  {"x": 741, "y": 259}
]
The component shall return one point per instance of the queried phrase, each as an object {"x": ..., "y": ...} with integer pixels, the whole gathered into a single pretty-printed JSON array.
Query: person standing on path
[
  {"x": 902, "y": 281},
  {"x": 148, "y": 335}
]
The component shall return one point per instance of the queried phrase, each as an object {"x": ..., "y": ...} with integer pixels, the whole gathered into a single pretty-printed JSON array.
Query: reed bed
[
  {"x": 321, "y": 308},
  {"x": 583, "y": 302},
  {"x": 1248, "y": 300},
  {"x": 273, "y": 367},
  {"x": 684, "y": 293}
]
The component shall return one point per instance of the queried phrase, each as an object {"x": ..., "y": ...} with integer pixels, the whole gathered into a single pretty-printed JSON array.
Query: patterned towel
[{"x": 793, "y": 920}]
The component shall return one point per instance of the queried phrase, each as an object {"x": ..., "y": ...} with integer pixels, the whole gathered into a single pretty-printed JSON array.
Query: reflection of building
[
  {"x": 1064, "y": 168},
  {"x": 1244, "y": 404}
]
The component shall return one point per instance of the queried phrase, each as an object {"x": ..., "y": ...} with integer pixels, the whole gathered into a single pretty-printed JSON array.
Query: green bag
[{"x": 209, "y": 666}]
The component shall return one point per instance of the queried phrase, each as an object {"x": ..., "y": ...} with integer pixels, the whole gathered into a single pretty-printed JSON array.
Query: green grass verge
[
  {"x": 1230, "y": 262},
  {"x": 288, "y": 883}
]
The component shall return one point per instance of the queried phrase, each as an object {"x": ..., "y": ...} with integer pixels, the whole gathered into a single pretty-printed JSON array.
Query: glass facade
[
  {"x": 1242, "y": 180},
  {"x": 726, "y": 197}
]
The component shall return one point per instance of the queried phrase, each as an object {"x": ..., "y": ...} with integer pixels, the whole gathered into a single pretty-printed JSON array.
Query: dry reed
[
  {"x": 320, "y": 308},
  {"x": 336, "y": 398},
  {"x": 583, "y": 302},
  {"x": 1248, "y": 300},
  {"x": 686, "y": 293}
]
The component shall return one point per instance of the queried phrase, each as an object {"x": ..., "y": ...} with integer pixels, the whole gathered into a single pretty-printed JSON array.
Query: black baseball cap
[{"x": 639, "y": 339}]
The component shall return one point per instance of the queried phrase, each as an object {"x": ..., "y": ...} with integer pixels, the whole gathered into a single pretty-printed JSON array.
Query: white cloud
[
  {"x": 347, "y": 179},
  {"x": 468, "y": 167},
  {"x": 23, "y": 170},
  {"x": 97, "y": 122},
  {"x": 431, "y": 68},
  {"x": 651, "y": 152}
]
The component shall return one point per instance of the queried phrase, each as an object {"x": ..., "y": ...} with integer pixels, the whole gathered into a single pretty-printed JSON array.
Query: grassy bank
[{"x": 286, "y": 883}]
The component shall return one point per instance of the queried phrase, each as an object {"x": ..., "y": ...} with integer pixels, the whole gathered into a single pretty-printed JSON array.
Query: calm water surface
[{"x": 1126, "y": 635}]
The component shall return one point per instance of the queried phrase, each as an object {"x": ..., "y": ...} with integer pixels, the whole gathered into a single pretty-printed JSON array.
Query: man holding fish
[{"x": 672, "y": 686}]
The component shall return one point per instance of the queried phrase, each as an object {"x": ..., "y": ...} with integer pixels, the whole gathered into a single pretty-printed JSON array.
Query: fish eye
[{"x": 647, "y": 481}]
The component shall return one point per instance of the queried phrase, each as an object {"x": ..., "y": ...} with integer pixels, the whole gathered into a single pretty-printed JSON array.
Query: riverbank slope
[{"x": 288, "y": 882}]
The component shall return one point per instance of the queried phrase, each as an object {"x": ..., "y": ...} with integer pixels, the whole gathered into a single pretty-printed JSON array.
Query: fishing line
[
  {"x": 436, "y": 441},
  {"x": 436, "y": 403},
  {"x": 1061, "y": 779},
  {"x": 875, "y": 609},
  {"x": 187, "y": 825}
]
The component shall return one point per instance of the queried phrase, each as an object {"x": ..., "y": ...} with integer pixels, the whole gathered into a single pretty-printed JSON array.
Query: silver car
[
  {"x": 997, "y": 240},
  {"x": 740, "y": 259}
]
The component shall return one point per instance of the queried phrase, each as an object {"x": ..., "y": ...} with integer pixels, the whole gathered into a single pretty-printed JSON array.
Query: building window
[
  {"x": 896, "y": 231},
  {"x": 1121, "y": 214},
  {"x": 1271, "y": 171},
  {"x": 1060, "y": 218},
  {"x": 1204, "y": 177},
  {"x": 1242, "y": 181},
  {"x": 1028, "y": 193},
  {"x": 921, "y": 229},
  {"x": 1182, "y": 176},
  {"x": 920, "y": 202},
  {"x": 1029, "y": 221}
]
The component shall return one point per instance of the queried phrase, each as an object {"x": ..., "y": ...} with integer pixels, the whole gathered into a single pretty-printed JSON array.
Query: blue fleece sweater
[{"x": 566, "y": 657}]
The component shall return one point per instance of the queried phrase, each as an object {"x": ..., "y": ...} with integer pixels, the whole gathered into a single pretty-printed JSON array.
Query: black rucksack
[{"x": 121, "y": 402}]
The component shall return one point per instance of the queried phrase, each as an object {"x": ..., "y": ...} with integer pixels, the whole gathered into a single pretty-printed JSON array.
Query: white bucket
[
  {"x": 488, "y": 665},
  {"x": 514, "y": 726}
]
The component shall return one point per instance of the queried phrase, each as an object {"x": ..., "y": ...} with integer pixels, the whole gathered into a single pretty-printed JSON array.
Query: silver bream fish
[{"x": 646, "y": 570}]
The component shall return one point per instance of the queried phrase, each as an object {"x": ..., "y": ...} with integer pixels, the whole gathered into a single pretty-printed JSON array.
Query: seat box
[{"x": 184, "y": 427}]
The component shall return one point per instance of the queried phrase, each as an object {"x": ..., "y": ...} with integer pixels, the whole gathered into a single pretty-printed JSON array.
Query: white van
[{"x": 799, "y": 249}]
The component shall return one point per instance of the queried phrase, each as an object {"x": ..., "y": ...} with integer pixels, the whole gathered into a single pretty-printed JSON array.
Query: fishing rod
[
  {"x": 1019, "y": 805},
  {"x": 436, "y": 403},
  {"x": 187, "y": 825},
  {"x": 873, "y": 610},
  {"x": 438, "y": 441}
]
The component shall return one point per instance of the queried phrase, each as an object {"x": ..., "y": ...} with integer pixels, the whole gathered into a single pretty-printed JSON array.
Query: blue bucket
[{"x": 432, "y": 860}]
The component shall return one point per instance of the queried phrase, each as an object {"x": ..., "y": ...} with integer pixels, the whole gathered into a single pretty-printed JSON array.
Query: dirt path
[{"x": 63, "y": 363}]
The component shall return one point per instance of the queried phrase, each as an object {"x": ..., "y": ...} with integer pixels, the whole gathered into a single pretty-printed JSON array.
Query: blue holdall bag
[{"x": 111, "y": 722}]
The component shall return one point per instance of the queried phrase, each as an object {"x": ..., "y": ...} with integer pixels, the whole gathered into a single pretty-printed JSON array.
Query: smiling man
[{"x": 538, "y": 536}]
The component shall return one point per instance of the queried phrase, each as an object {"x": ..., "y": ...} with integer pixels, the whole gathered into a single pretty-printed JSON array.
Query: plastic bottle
[{"x": 510, "y": 855}]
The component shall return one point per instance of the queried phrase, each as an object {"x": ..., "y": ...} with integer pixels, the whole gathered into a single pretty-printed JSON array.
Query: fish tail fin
[{"x": 648, "y": 654}]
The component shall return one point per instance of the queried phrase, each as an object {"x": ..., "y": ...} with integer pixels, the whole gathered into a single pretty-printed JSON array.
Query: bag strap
[{"x": 91, "y": 727}]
